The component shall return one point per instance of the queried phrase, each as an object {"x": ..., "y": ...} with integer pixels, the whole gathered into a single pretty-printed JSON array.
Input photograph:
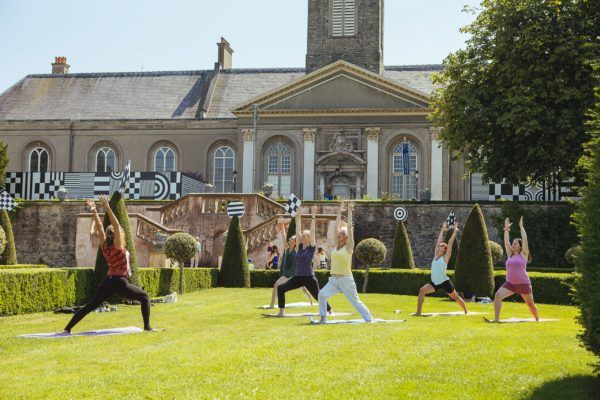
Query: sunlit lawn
[{"x": 217, "y": 345}]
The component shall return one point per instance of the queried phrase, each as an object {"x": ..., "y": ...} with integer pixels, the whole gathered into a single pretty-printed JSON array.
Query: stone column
[
  {"x": 373, "y": 161},
  {"x": 308, "y": 180},
  {"x": 358, "y": 187},
  {"x": 437, "y": 165},
  {"x": 248, "y": 161},
  {"x": 322, "y": 186}
]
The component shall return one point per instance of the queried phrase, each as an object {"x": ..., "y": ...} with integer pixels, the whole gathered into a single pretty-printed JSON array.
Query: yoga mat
[
  {"x": 448, "y": 314},
  {"x": 514, "y": 320},
  {"x": 307, "y": 314},
  {"x": 289, "y": 305},
  {"x": 99, "y": 332},
  {"x": 355, "y": 321}
]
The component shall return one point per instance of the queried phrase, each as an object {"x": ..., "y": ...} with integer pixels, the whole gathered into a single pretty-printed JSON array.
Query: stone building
[{"x": 344, "y": 125}]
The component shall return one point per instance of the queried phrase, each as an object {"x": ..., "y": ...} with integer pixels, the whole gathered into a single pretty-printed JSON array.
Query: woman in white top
[{"x": 439, "y": 279}]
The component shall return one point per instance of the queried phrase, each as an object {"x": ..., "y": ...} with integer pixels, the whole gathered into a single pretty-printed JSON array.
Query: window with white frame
[
  {"x": 279, "y": 169},
  {"x": 165, "y": 160},
  {"x": 224, "y": 161},
  {"x": 39, "y": 160},
  {"x": 404, "y": 167},
  {"x": 343, "y": 18},
  {"x": 106, "y": 160}
]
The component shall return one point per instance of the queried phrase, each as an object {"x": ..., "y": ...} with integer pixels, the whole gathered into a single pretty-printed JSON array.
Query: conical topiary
[
  {"x": 9, "y": 255},
  {"x": 452, "y": 262},
  {"x": 2, "y": 240},
  {"x": 117, "y": 205},
  {"x": 291, "y": 229},
  {"x": 402, "y": 256},
  {"x": 474, "y": 267},
  {"x": 234, "y": 264}
]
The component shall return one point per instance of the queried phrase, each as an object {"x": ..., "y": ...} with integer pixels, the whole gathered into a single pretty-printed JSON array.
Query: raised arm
[
  {"x": 283, "y": 233},
  {"x": 338, "y": 226},
  {"x": 97, "y": 222},
  {"x": 440, "y": 238},
  {"x": 118, "y": 244},
  {"x": 298, "y": 228},
  {"x": 350, "y": 241},
  {"x": 507, "y": 246},
  {"x": 313, "y": 229},
  {"x": 448, "y": 254},
  {"x": 525, "y": 249}
]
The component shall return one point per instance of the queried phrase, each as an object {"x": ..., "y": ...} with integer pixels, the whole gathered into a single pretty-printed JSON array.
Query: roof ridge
[
  {"x": 414, "y": 67},
  {"x": 120, "y": 74}
]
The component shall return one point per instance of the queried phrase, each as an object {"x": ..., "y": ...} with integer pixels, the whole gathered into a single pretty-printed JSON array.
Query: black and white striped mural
[
  {"x": 142, "y": 185},
  {"x": 502, "y": 191}
]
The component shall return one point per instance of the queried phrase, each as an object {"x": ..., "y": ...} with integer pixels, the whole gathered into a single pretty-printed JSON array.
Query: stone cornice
[
  {"x": 146, "y": 125},
  {"x": 338, "y": 112}
]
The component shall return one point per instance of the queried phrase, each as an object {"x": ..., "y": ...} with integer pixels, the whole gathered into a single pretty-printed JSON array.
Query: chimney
[
  {"x": 225, "y": 54},
  {"x": 60, "y": 66}
]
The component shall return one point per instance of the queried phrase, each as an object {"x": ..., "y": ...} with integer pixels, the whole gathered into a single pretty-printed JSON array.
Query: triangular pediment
[{"x": 337, "y": 88}]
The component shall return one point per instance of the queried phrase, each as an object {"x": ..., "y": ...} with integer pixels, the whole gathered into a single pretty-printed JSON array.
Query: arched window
[
  {"x": 279, "y": 169},
  {"x": 164, "y": 160},
  {"x": 106, "y": 160},
  {"x": 39, "y": 160},
  {"x": 223, "y": 169},
  {"x": 404, "y": 165}
]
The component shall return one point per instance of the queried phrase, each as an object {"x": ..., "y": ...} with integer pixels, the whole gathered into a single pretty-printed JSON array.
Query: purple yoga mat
[{"x": 99, "y": 332}]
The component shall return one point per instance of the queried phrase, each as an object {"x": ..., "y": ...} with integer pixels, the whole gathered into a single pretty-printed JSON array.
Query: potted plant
[
  {"x": 62, "y": 193},
  {"x": 425, "y": 195},
  {"x": 267, "y": 189}
]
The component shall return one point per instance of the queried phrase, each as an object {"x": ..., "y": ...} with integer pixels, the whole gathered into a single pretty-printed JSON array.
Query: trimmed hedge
[
  {"x": 549, "y": 288},
  {"x": 31, "y": 290},
  {"x": 9, "y": 255},
  {"x": 23, "y": 266}
]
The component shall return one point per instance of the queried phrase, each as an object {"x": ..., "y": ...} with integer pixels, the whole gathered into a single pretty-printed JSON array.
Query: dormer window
[{"x": 343, "y": 17}]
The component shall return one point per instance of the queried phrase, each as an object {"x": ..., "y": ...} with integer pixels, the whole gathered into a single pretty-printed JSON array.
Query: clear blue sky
[{"x": 158, "y": 35}]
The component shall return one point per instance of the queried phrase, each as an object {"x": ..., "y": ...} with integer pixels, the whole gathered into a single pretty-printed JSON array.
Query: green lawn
[{"x": 216, "y": 345}]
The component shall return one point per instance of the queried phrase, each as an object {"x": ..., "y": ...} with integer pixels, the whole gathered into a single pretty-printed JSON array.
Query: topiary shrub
[
  {"x": 2, "y": 240},
  {"x": 9, "y": 255},
  {"x": 452, "y": 261},
  {"x": 370, "y": 252},
  {"x": 496, "y": 251},
  {"x": 291, "y": 229},
  {"x": 181, "y": 247},
  {"x": 402, "y": 256},
  {"x": 572, "y": 253},
  {"x": 234, "y": 265},
  {"x": 117, "y": 205},
  {"x": 474, "y": 266}
]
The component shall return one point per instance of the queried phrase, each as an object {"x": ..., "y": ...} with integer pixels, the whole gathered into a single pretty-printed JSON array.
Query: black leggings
[
  {"x": 114, "y": 285},
  {"x": 296, "y": 282}
]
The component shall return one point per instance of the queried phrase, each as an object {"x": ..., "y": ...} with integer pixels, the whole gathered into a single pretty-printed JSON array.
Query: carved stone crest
[{"x": 340, "y": 143}]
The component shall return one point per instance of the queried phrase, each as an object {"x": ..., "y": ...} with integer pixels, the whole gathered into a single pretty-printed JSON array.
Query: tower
[{"x": 350, "y": 30}]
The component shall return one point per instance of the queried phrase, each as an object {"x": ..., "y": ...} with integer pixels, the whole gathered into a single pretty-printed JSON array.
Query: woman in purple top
[
  {"x": 517, "y": 280},
  {"x": 305, "y": 276}
]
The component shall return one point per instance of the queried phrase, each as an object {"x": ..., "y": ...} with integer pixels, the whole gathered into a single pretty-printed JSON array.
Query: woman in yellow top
[{"x": 341, "y": 279}]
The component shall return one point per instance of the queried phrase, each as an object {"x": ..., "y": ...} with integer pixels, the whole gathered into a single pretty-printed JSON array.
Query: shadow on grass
[{"x": 580, "y": 387}]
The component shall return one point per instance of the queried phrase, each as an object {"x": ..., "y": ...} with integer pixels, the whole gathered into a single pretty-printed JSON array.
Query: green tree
[
  {"x": 2, "y": 242},
  {"x": 474, "y": 267},
  {"x": 181, "y": 247},
  {"x": 9, "y": 255},
  {"x": 370, "y": 252},
  {"x": 291, "y": 229},
  {"x": 3, "y": 161},
  {"x": 117, "y": 204},
  {"x": 402, "y": 256},
  {"x": 452, "y": 261},
  {"x": 234, "y": 265},
  {"x": 496, "y": 251},
  {"x": 513, "y": 103},
  {"x": 587, "y": 219}
]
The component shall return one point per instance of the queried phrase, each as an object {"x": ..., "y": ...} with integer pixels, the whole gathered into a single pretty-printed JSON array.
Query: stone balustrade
[{"x": 152, "y": 232}]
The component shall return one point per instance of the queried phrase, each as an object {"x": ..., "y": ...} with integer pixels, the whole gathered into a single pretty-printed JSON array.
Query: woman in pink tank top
[{"x": 517, "y": 280}]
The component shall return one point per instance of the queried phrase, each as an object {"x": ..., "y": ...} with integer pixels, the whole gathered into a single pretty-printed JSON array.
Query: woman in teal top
[
  {"x": 439, "y": 279},
  {"x": 288, "y": 265}
]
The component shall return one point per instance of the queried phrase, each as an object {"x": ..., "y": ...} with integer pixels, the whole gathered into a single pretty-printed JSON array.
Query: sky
[{"x": 167, "y": 35}]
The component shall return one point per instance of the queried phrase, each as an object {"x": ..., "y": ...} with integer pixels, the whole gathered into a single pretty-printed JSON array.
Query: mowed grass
[{"x": 217, "y": 345}]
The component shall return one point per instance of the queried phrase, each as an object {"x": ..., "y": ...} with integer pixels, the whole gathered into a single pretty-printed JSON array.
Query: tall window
[
  {"x": 343, "y": 18},
  {"x": 39, "y": 160},
  {"x": 279, "y": 169},
  {"x": 223, "y": 169},
  {"x": 404, "y": 165},
  {"x": 106, "y": 160},
  {"x": 164, "y": 160}
]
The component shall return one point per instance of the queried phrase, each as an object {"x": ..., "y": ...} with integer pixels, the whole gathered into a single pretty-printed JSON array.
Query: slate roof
[{"x": 159, "y": 95}]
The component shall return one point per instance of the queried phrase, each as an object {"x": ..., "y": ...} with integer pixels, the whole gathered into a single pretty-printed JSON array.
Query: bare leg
[
  {"x": 501, "y": 294},
  {"x": 532, "y": 307},
  {"x": 425, "y": 290},
  {"x": 459, "y": 300},
  {"x": 280, "y": 281}
]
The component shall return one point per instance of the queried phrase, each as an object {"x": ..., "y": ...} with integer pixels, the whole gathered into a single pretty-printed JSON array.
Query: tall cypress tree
[
  {"x": 234, "y": 265},
  {"x": 452, "y": 262},
  {"x": 117, "y": 205},
  {"x": 9, "y": 255},
  {"x": 474, "y": 267},
  {"x": 402, "y": 256},
  {"x": 291, "y": 229}
]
